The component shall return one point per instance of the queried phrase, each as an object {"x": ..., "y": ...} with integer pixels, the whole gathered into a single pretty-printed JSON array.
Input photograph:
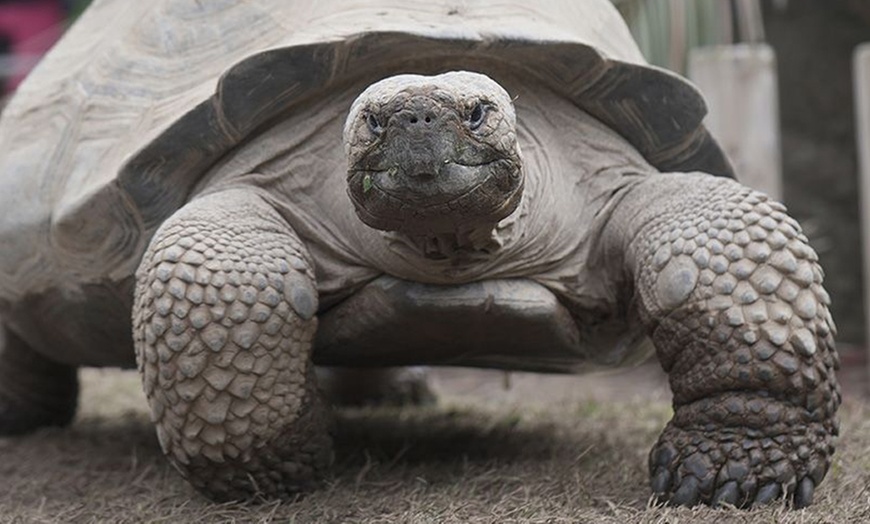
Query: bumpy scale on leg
[
  {"x": 34, "y": 391},
  {"x": 732, "y": 295},
  {"x": 224, "y": 322}
]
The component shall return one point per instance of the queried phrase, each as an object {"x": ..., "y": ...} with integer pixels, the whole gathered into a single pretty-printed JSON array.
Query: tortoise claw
[
  {"x": 661, "y": 481},
  {"x": 687, "y": 494},
  {"x": 767, "y": 494},
  {"x": 803, "y": 494},
  {"x": 726, "y": 495}
]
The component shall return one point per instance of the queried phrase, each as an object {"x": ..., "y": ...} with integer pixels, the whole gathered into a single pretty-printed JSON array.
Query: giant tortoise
[{"x": 226, "y": 194}]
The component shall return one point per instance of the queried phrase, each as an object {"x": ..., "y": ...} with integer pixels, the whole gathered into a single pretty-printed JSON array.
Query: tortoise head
[{"x": 433, "y": 154}]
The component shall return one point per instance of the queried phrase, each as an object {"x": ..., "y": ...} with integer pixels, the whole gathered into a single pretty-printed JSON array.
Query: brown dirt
[{"x": 498, "y": 448}]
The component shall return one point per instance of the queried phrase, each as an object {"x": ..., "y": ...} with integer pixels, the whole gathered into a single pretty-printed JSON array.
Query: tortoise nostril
[{"x": 421, "y": 116}]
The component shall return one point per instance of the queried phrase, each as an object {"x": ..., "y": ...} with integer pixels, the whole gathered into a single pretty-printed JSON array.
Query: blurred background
[
  {"x": 778, "y": 76},
  {"x": 28, "y": 28}
]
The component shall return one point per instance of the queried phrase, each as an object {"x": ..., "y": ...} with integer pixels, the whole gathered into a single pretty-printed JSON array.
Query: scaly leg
[
  {"x": 731, "y": 294},
  {"x": 224, "y": 322}
]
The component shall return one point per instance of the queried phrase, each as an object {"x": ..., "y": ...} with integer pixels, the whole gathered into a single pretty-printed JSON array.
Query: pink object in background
[{"x": 31, "y": 27}]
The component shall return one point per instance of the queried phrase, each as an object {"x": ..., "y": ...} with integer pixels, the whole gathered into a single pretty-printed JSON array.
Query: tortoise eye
[
  {"x": 374, "y": 124},
  {"x": 477, "y": 116}
]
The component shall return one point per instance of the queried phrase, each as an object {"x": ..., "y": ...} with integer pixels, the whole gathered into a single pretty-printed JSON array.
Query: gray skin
[{"x": 526, "y": 220}]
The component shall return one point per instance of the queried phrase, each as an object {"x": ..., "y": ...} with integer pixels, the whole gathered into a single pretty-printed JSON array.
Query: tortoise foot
[
  {"x": 20, "y": 419},
  {"x": 376, "y": 386},
  {"x": 292, "y": 462},
  {"x": 756, "y": 464},
  {"x": 34, "y": 391}
]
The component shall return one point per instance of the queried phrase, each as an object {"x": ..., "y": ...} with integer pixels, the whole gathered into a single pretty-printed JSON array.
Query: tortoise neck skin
[{"x": 434, "y": 158}]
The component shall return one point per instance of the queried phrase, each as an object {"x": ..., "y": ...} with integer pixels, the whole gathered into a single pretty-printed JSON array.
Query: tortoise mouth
[{"x": 438, "y": 199}]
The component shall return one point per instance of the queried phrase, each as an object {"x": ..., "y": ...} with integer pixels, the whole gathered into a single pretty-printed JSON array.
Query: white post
[
  {"x": 861, "y": 76},
  {"x": 739, "y": 84}
]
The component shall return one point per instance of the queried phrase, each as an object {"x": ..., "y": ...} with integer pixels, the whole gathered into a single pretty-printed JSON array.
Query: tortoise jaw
[{"x": 454, "y": 198}]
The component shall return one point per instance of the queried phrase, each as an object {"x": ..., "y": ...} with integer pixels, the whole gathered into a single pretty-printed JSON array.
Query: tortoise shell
[{"x": 119, "y": 122}]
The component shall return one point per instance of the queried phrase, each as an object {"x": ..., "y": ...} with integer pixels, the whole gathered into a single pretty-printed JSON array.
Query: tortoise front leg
[
  {"x": 224, "y": 322},
  {"x": 732, "y": 297}
]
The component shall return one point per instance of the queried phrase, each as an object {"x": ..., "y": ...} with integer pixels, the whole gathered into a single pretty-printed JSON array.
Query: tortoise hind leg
[
  {"x": 400, "y": 386},
  {"x": 34, "y": 391},
  {"x": 223, "y": 328}
]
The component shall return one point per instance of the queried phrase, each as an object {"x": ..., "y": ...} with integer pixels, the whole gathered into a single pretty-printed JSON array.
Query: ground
[{"x": 498, "y": 448}]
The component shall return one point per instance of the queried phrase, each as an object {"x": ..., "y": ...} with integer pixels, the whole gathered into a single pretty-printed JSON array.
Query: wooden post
[
  {"x": 861, "y": 76},
  {"x": 739, "y": 84}
]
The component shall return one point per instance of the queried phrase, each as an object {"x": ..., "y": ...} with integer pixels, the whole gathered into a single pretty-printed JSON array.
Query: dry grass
[{"x": 540, "y": 452}]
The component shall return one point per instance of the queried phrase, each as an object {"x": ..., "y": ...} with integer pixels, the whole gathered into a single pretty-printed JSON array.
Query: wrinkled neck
[{"x": 481, "y": 239}]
